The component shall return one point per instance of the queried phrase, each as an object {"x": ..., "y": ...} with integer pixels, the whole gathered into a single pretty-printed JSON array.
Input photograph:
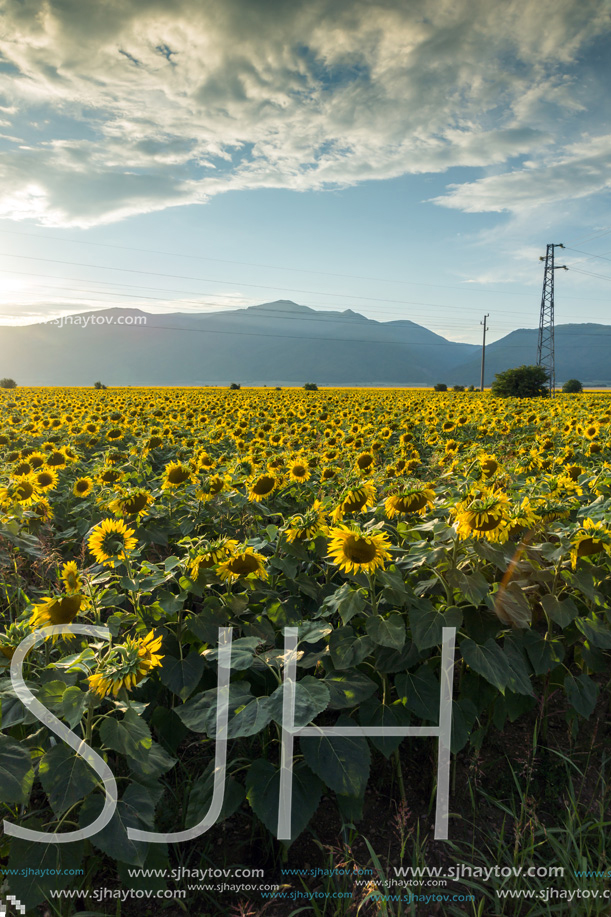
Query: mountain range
[{"x": 274, "y": 344}]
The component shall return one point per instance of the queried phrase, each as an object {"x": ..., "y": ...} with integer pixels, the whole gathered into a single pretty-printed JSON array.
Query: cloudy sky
[{"x": 403, "y": 158}]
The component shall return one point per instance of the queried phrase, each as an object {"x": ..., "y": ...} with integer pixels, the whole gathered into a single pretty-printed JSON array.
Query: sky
[{"x": 407, "y": 160}]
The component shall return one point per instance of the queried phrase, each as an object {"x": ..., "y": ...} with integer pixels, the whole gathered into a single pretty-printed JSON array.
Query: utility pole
[
  {"x": 546, "y": 356},
  {"x": 481, "y": 387}
]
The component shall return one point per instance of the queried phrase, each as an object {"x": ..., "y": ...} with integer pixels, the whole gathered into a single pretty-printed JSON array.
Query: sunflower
[
  {"x": 111, "y": 539},
  {"x": 22, "y": 492},
  {"x": 12, "y": 637},
  {"x": 127, "y": 666},
  {"x": 134, "y": 503},
  {"x": 483, "y": 514},
  {"x": 262, "y": 486},
  {"x": 176, "y": 475},
  {"x": 305, "y": 526},
  {"x": 299, "y": 471},
  {"x": 364, "y": 463},
  {"x": 355, "y": 501},
  {"x": 214, "y": 552},
  {"x": 242, "y": 562},
  {"x": 489, "y": 465},
  {"x": 71, "y": 578},
  {"x": 591, "y": 538},
  {"x": 413, "y": 500},
  {"x": 212, "y": 485},
  {"x": 60, "y": 609},
  {"x": 82, "y": 487},
  {"x": 46, "y": 479},
  {"x": 355, "y": 551},
  {"x": 522, "y": 517}
]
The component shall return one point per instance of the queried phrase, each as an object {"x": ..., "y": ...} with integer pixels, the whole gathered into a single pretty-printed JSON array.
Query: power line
[{"x": 274, "y": 267}]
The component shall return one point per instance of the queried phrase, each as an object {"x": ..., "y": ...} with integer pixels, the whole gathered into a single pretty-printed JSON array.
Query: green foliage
[
  {"x": 572, "y": 387},
  {"x": 310, "y": 387},
  {"x": 521, "y": 382},
  {"x": 234, "y": 386},
  {"x": 8, "y": 383},
  {"x": 440, "y": 387}
]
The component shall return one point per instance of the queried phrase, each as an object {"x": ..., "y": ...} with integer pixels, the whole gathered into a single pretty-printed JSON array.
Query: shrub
[
  {"x": 311, "y": 387},
  {"x": 572, "y": 387},
  {"x": 99, "y": 385},
  {"x": 521, "y": 382},
  {"x": 234, "y": 386},
  {"x": 8, "y": 383},
  {"x": 458, "y": 388},
  {"x": 440, "y": 387},
  {"x": 471, "y": 388}
]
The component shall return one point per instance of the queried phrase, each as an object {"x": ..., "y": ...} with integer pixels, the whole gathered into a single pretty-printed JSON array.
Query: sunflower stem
[{"x": 372, "y": 593}]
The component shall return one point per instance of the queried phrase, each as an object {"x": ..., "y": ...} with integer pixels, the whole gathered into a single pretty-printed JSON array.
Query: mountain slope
[
  {"x": 272, "y": 343},
  {"x": 582, "y": 352},
  {"x": 276, "y": 343}
]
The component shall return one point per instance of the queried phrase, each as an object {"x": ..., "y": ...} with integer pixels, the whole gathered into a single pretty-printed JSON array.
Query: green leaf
[
  {"x": 341, "y": 762},
  {"x": 347, "y": 601},
  {"x": 170, "y": 562},
  {"x": 200, "y": 797},
  {"x": 427, "y": 623},
  {"x": 194, "y": 714},
  {"x": 206, "y": 625},
  {"x": 246, "y": 721},
  {"x": 419, "y": 692},
  {"x": 374, "y": 713},
  {"x": 74, "y": 703},
  {"x": 51, "y": 694},
  {"x": 519, "y": 680},
  {"x": 242, "y": 652},
  {"x": 135, "y": 810},
  {"x": 158, "y": 761},
  {"x": 544, "y": 654},
  {"x": 16, "y": 774},
  {"x": 348, "y": 690},
  {"x": 561, "y": 612},
  {"x": 595, "y": 631},
  {"x": 38, "y": 869},
  {"x": 313, "y": 631},
  {"x": 388, "y": 631},
  {"x": 346, "y": 649},
  {"x": 130, "y": 736},
  {"x": 65, "y": 777},
  {"x": 511, "y": 606},
  {"x": 263, "y": 791},
  {"x": 582, "y": 693},
  {"x": 312, "y": 696},
  {"x": 182, "y": 676},
  {"x": 473, "y": 586},
  {"x": 488, "y": 660}
]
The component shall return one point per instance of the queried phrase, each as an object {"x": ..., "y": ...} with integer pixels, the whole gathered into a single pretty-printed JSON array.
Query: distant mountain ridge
[{"x": 275, "y": 343}]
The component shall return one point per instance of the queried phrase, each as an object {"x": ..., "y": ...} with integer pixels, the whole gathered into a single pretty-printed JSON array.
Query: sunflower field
[{"x": 368, "y": 519}]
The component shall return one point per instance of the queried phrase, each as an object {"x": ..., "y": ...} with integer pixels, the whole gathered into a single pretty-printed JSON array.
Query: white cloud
[
  {"x": 140, "y": 107},
  {"x": 583, "y": 169}
]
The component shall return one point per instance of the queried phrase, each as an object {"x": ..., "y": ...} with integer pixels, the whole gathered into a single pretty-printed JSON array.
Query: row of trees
[{"x": 521, "y": 382}]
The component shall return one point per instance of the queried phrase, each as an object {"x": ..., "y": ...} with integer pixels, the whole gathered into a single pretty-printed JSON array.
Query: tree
[
  {"x": 311, "y": 387},
  {"x": 8, "y": 383},
  {"x": 234, "y": 386},
  {"x": 99, "y": 385},
  {"x": 572, "y": 387},
  {"x": 458, "y": 388},
  {"x": 521, "y": 382},
  {"x": 440, "y": 387}
]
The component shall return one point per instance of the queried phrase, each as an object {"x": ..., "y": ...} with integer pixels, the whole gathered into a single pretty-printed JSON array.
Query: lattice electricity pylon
[{"x": 546, "y": 356}]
